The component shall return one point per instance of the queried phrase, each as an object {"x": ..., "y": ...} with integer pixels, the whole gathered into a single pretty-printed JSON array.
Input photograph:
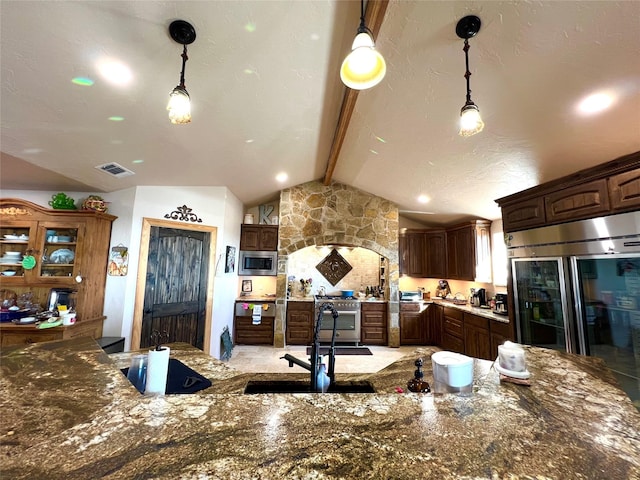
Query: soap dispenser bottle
[
  {"x": 417, "y": 384},
  {"x": 323, "y": 380}
]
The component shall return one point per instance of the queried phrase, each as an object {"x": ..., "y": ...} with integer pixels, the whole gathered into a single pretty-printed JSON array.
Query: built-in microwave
[{"x": 258, "y": 263}]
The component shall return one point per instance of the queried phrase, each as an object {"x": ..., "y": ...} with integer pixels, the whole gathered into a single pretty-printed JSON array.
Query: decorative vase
[{"x": 307, "y": 291}]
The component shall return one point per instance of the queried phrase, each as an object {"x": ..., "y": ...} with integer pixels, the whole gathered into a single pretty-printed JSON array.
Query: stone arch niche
[{"x": 316, "y": 214}]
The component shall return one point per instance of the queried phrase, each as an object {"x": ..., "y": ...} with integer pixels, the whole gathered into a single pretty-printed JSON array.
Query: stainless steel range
[{"x": 347, "y": 323}]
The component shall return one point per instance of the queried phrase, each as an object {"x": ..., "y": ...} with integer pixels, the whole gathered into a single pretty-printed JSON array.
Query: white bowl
[
  {"x": 9, "y": 273},
  {"x": 12, "y": 254}
]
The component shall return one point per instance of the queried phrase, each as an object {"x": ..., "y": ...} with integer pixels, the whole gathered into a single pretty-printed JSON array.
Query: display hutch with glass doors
[{"x": 43, "y": 248}]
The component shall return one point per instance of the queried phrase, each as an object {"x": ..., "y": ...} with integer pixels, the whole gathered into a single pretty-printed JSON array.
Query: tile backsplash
[{"x": 365, "y": 271}]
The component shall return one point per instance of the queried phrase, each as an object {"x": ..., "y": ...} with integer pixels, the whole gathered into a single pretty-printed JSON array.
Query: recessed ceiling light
[
  {"x": 423, "y": 199},
  {"x": 250, "y": 140},
  {"x": 115, "y": 72},
  {"x": 315, "y": 36},
  {"x": 138, "y": 160},
  {"x": 595, "y": 103},
  {"x": 381, "y": 140},
  {"x": 83, "y": 81},
  {"x": 250, "y": 27},
  {"x": 282, "y": 177},
  {"x": 373, "y": 151},
  {"x": 116, "y": 118},
  {"x": 32, "y": 150}
]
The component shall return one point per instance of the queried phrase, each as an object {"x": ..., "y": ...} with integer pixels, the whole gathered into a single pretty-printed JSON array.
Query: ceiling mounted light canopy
[
  {"x": 364, "y": 67},
  {"x": 179, "y": 105},
  {"x": 470, "y": 121}
]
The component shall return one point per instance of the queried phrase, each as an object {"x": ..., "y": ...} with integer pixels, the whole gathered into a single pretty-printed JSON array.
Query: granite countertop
[
  {"x": 68, "y": 412},
  {"x": 481, "y": 312}
]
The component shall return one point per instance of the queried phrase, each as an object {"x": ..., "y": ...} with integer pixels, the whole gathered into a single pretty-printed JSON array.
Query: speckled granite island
[{"x": 69, "y": 413}]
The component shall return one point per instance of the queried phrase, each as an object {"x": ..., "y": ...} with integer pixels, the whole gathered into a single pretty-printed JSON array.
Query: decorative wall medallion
[
  {"x": 334, "y": 267},
  {"x": 183, "y": 213}
]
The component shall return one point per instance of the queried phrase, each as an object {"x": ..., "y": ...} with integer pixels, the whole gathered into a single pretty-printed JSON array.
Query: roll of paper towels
[{"x": 157, "y": 369}]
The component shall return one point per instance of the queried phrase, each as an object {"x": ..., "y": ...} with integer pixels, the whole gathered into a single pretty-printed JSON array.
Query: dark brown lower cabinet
[
  {"x": 248, "y": 333},
  {"x": 299, "y": 329},
  {"x": 411, "y": 328},
  {"x": 452, "y": 330},
  {"x": 476, "y": 337},
  {"x": 373, "y": 322},
  {"x": 499, "y": 333}
]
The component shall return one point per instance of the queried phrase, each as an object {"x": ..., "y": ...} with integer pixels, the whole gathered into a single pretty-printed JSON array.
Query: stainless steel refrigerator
[{"x": 576, "y": 287}]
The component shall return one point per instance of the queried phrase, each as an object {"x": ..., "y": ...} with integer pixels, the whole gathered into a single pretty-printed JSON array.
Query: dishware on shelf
[
  {"x": 62, "y": 255},
  {"x": 8, "y": 273}
]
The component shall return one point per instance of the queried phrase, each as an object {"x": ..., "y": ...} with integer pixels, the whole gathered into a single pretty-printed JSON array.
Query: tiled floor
[{"x": 266, "y": 359}]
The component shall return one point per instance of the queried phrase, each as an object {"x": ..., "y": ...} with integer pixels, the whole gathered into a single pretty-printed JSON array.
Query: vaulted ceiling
[{"x": 267, "y": 97}]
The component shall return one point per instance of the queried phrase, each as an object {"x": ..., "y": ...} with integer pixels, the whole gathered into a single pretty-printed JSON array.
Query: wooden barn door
[{"x": 175, "y": 296}]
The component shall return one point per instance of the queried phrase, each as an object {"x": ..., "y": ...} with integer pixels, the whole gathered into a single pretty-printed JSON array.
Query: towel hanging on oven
[{"x": 257, "y": 315}]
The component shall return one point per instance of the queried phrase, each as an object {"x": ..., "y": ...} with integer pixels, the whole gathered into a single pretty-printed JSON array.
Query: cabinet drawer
[
  {"x": 19, "y": 338},
  {"x": 410, "y": 306},
  {"x": 300, "y": 307},
  {"x": 451, "y": 343},
  {"x": 453, "y": 326},
  {"x": 476, "y": 321},
  {"x": 373, "y": 307},
  {"x": 453, "y": 313}
]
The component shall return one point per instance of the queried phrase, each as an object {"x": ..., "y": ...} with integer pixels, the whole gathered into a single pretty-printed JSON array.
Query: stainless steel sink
[{"x": 293, "y": 386}]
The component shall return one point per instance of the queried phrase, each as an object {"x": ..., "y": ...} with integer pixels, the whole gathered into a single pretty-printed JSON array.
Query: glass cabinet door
[
  {"x": 540, "y": 303},
  {"x": 15, "y": 242},
  {"x": 59, "y": 249}
]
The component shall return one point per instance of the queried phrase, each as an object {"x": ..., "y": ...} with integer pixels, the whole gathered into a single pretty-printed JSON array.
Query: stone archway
[{"x": 337, "y": 214}]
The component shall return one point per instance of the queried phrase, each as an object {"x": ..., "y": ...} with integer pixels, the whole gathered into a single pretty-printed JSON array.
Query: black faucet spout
[{"x": 291, "y": 359}]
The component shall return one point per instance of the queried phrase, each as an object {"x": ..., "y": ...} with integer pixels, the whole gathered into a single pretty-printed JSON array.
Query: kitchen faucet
[{"x": 315, "y": 361}]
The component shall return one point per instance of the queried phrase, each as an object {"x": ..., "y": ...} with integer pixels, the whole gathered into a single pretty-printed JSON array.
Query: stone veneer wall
[{"x": 337, "y": 214}]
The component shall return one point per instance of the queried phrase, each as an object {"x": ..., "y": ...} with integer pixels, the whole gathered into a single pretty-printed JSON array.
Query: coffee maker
[
  {"x": 501, "y": 304},
  {"x": 478, "y": 297}
]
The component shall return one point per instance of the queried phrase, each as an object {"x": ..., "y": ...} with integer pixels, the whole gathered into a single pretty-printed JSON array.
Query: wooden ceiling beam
[{"x": 374, "y": 15}]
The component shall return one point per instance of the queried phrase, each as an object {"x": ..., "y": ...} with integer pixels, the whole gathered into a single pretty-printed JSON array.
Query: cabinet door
[
  {"x": 436, "y": 251},
  {"x": 411, "y": 328},
  {"x": 403, "y": 254},
  {"x": 452, "y": 343},
  {"x": 250, "y": 237},
  {"x": 374, "y": 323},
  {"x": 523, "y": 215},
  {"x": 60, "y": 244},
  {"x": 435, "y": 315},
  {"x": 299, "y": 329},
  {"x": 476, "y": 342},
  {"x": 416, "y": 245},
  {"x": 583, "y": 201},
  {"x": 249, "y": 334},
  {"x": 624, "y": 190},
  {"x": 269, "y": 238},
  {"x": 461, "y": 257},
  {"x": 17, "y": 239}
]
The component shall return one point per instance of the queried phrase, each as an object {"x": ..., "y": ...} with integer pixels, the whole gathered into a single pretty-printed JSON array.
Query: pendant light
[
  {"x": 364, "y": 67},
  {"x": 470, "y": 121},
  {"x": 179, "y": 105}
]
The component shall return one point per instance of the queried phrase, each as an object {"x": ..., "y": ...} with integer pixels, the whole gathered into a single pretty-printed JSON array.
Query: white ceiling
[{"x": 266, "y": 95}]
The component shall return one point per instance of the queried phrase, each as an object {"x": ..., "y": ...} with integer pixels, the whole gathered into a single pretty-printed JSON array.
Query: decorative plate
[
  {"x": 28, "y": 262},
  {"x": 62, "y": 255}
]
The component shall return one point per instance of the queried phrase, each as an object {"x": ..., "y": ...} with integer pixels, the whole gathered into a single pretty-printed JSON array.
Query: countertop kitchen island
[{"x": 68, "y": 412}]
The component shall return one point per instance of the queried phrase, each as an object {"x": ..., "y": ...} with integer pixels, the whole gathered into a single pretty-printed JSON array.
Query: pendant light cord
[
  {"x": 467, "y": 73},
  {"x": 184, "y": 61},
  {"x": 363, "y": 28}
]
